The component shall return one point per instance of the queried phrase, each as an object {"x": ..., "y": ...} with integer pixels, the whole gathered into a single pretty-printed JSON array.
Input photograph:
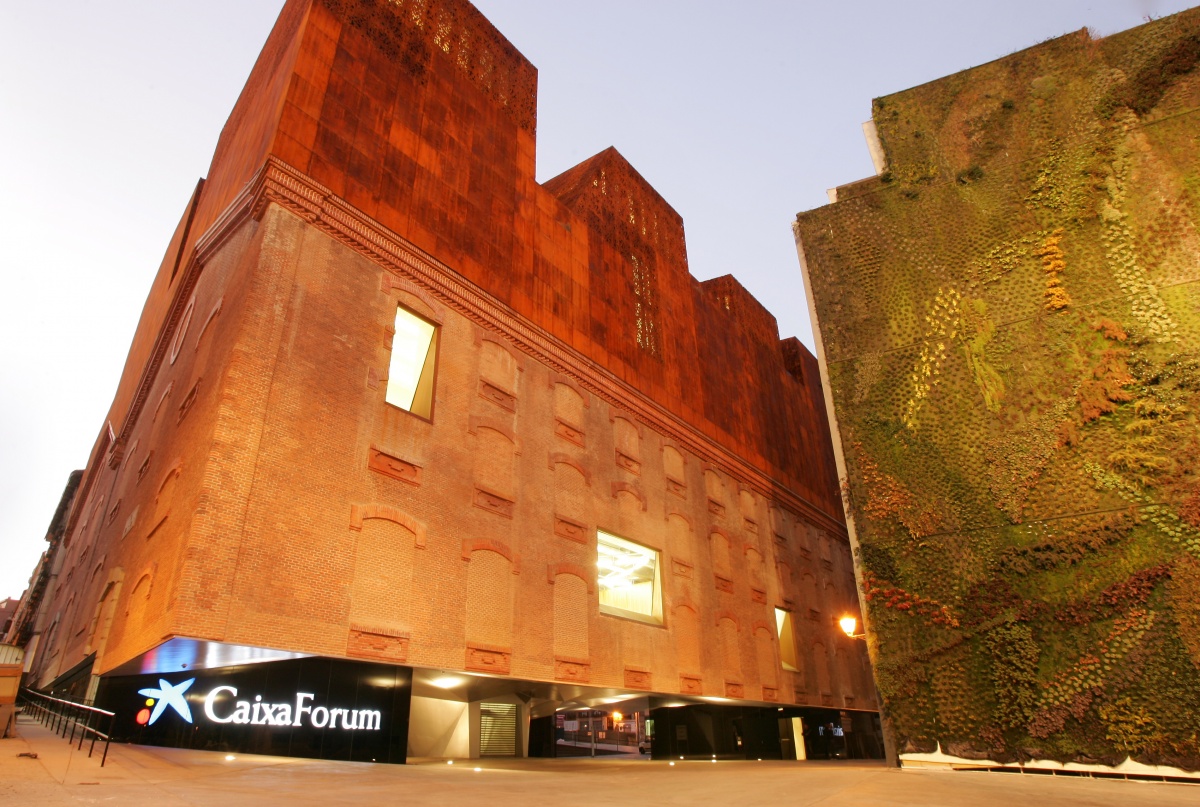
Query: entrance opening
[{"x": 595, "y": 733}]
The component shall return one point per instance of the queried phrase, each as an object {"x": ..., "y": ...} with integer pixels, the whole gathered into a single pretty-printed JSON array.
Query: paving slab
[{"x": 144, "y": 776}]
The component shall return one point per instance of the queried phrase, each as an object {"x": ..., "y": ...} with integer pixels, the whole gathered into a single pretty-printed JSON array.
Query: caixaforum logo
[
  {"x": 166, "y": 695},
  {"x": 222, "y": 706}
]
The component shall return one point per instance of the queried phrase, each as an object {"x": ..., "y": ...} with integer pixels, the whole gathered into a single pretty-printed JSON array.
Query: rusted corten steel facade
[{"x": 253, "y": 487}]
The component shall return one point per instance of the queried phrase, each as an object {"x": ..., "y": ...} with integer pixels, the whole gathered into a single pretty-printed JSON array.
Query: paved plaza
[{"x": 142, "y": 776}]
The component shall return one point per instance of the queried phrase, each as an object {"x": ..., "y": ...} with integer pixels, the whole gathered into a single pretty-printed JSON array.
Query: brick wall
[{"x": 257, "y": 489}]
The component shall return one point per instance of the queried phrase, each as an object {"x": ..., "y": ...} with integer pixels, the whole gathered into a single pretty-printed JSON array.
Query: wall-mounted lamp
[{"x": 849, "y": 626}]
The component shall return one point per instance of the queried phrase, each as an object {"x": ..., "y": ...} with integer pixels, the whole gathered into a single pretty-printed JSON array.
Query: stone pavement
[{"x": 142, "y": 776}]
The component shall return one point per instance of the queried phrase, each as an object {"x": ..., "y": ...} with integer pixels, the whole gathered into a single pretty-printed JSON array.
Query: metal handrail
[{"x": 57, "y": 714}]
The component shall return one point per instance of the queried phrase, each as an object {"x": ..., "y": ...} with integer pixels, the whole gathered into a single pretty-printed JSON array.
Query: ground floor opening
[{"x": 211, "y": 696}]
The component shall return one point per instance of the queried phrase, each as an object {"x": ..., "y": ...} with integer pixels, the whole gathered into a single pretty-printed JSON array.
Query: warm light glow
[
  {"x": 849, "y": 625},
  {"x": 446, "y": 682},
  {"x": 617, "y": 717},
  {"x": 628, "y": 577},
  {"x": 788, "y": 656},
  {"x": 410, "y": 371}
]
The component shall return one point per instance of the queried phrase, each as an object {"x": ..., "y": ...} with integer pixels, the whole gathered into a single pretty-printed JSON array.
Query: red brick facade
[{"x": 253, "y": 487}]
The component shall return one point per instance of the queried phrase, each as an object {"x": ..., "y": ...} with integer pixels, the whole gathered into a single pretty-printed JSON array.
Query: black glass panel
[{"x": 319, "y": 708}]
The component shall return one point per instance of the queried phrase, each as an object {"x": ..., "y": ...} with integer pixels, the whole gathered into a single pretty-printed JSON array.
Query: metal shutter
[{"x": 497, "y": 730}]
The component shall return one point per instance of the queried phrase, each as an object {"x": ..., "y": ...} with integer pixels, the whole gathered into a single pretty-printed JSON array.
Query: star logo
[{"x": 167, "y": 695}]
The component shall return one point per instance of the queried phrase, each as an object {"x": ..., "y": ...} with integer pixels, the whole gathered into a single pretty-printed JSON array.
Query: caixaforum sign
[
  {"x": 310, "y": 707},
  {"x": 221, "y": 705},
  {"x": 299, "y": 713}
]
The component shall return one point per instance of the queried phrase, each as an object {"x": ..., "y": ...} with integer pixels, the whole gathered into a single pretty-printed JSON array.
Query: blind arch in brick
[
  {"x": 360, "y": 513},
  {"x": 686, "y": 623},
  {"x": 572, "y": 605},
  {"x": 381, "y": 588},
  {"x": 766, "y": 655},
  {"x": 489, "y": 597}
]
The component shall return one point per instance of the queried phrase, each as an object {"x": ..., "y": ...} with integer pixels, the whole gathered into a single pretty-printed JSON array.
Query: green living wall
[{"x": 1010, "y": 319}]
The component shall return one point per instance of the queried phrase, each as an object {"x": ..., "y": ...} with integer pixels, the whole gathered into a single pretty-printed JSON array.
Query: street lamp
[{"x": 849, "y": 626}]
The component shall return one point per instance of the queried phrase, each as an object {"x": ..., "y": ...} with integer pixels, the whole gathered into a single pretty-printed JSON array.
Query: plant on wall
[{"x": 1016, "y": 376}]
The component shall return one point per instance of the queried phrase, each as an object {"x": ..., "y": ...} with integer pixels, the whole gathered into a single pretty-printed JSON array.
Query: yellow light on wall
[{"x": 849, "y": 626}]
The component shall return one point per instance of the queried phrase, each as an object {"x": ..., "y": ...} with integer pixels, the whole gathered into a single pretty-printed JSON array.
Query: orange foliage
[
  {"x": 1101, "y": 394},
  {"x": 1111, "y": 330},
  {"x": 887, "y": 497},
  {"x": 1054, "y": 262}
]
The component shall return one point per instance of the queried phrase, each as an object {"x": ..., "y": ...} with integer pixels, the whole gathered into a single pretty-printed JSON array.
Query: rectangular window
[
  {"x": 628, "y": 575},
  {"x": 414, "y": 358},
  {"x": 787, "y": 640}
]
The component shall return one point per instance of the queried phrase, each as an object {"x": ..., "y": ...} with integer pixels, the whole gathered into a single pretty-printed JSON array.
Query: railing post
[
  {"x": 56, "y": 713},
  {"x": 107, "y": 739}
]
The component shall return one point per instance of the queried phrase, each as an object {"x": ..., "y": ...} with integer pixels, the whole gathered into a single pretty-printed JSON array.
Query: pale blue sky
[{"x": 739, "y": 114}]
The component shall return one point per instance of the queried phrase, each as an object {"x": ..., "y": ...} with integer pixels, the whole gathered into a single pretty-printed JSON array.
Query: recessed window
[
  {"x": 787, "y": 640},
  {"x": 414, "y": 359},
  {"x": 628, "y": 575},
  {"x": 182, "y": 328}
]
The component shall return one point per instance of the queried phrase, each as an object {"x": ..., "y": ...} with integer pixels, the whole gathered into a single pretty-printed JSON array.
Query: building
[
  {"x": 8, "y": 608},
  {"x": 27, "y": 619},
  {"x": 413, "y": 456},
  {"x": 1008, "y": 326}
]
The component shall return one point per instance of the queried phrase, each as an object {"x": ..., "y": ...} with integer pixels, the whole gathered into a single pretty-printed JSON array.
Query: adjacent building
[{"x": 415, "y": 456}]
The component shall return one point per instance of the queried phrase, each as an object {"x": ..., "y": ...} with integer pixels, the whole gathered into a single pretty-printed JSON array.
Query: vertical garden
[{"x": 1010, "y": 319}]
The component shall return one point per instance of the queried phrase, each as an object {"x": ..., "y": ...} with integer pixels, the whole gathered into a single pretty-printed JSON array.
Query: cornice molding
[{"x": 279, "y": 183}]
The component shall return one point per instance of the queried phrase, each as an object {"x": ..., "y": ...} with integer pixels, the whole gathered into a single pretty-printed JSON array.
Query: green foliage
[
  {"x": 1020, "y": 306},
  {"x": 972, "y": 174},
  {"x": 1014, "y": 673}
]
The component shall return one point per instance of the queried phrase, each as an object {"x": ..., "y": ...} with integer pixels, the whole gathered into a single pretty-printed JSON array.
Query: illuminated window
[
  {"x": 414, "y": 358},
  {"x": 629, "y": 579},
  {"x": 787, "y": 640}
]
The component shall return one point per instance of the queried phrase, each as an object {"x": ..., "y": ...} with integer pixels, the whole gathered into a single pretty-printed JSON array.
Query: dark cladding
[{"x": 318, "y": 708}]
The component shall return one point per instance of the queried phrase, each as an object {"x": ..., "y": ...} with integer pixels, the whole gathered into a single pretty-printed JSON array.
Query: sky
[{"x": 740, "y": 115}]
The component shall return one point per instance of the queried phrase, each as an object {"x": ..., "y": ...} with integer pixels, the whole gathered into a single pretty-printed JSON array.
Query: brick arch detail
[
  {"x": 669, "y": 443},
  {"x": 727, "y": 614},
  {"x": 762, "y": 624},
  {"x": 147, "y": 576},
  {"x": 175, "y": 470},
  {"x": 553, "y": 570},
  {"x": 478, "y": 422},
  {"x": 566, "y": 459},
  {"x": 566, "y": 381},
  {"x": 683, "y": 602},
  {"x": 615, "y": 414},
  {"x": 392, "y": 283},
  {"x": 363, "y": 512},
  {"x": 715, "y": 530},
  {"x": 472, "y": 545},
  {"x": 674, "y": 511},
  {"x": 617, "y": 487},
  {"x": 482, "y": 335}
]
